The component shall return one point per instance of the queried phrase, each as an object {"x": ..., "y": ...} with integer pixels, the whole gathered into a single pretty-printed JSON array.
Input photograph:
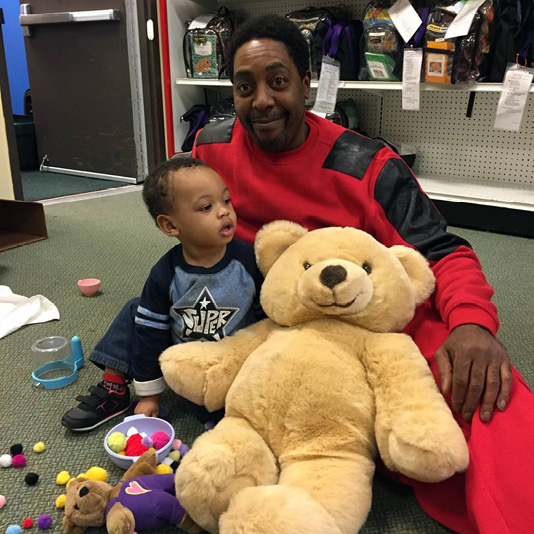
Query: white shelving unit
[
  {"x": 369, "y": 86},
  {"x": 459, "y": 158}
]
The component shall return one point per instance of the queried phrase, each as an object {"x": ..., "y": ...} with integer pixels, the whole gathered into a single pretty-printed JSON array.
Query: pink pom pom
[
  {"x": 2, "y": 501},
  {"x": 19, "y": 460},
  {"x": 160, "y": 439},
  {"x": 176, "y": 444}
]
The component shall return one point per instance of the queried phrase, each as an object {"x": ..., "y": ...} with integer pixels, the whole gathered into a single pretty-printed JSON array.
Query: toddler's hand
[{"x": 148, "y": 406}]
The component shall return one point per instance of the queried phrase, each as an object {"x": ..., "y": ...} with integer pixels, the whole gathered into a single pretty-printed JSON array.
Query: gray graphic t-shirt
[{"x": 182, "y": 302}]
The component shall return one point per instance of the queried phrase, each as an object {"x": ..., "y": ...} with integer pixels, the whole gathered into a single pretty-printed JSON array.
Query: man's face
[{"x": 269, "y": 95}]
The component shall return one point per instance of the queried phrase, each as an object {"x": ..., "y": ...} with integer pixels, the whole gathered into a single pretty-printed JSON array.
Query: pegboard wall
[{"x": 460, "y": 148}]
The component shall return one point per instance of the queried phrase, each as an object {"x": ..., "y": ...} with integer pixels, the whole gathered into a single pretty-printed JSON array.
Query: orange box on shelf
[{"x": 438, "y": 61}]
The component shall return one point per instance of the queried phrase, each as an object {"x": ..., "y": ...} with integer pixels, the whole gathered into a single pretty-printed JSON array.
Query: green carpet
[
  {"x": 41, "y": 185},
  {"x": 114, "y": 239}
]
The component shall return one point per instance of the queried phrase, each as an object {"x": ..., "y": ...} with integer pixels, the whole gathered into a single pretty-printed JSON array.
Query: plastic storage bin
[{"x": 26, "y": 142}]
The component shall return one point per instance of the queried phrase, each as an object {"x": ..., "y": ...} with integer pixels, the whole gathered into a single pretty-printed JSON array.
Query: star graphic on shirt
[
  {"x": 204, "y": 320},
  {"x": 204, "y": 302}
]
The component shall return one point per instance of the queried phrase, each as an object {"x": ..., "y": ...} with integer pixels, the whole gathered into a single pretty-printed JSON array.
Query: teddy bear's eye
[
  {"x": 367, "y": 268},
  {"x": 306, "y": 265}
]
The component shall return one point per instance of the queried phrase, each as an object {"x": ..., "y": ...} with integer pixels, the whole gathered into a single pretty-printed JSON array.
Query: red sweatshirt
[{"x": 340, "y": 178}]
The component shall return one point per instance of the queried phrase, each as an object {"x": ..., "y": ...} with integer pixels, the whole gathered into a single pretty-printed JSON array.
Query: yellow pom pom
[
  {"x": 117, "y": 442},
  {"x": 62, "y": 478},
  {"x": 175, "y": 455},
  {"x": 163, "y": 469},
  {"x": 60, "y": 501},
  {"x": 122, "y": 453},
  {"x": 97, "y": 473},
  {"x": 39, "y": 447}
]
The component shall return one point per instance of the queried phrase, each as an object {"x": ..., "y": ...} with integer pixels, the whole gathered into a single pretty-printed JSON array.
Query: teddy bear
[
  {"x": 141, "y": 500},
  {"x": 316, "y": 391}
]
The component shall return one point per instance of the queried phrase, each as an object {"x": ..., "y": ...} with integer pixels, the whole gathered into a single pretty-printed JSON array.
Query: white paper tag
[
  {"x": 202, "y": 48},
  {"x": 462, "y": 22},
  {"x": 378, "y": 70},
  {"x": 201, "y": 21},
  {"x": 411, "y": 76},
  {"x": 405, "y": 18},
  {"x": 513, "y": 98},
  {"x": 325, "y": 102}
]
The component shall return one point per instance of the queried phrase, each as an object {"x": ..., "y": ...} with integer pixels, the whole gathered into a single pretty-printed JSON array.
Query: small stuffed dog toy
[{"x": 141, "y": 500}]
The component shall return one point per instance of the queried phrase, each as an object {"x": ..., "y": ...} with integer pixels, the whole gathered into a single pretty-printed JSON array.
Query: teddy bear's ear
[
  {"x": 273, "y": 239},
  {"x": 418, "y": 270}
]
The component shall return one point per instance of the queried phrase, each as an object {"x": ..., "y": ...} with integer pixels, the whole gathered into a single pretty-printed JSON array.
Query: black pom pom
[
  {"x": 16, "y": 449},
  {"x": 31, "y": 479},
  {"x": 174, "y": 466}
]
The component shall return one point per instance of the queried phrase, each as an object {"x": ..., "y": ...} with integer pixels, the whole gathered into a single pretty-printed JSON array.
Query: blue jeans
[{"x": 115, "y": 350}]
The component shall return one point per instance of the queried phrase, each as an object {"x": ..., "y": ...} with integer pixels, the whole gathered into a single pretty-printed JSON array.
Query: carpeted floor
[
  {"x": 114, "y": 239},
  {"x": 42, "y": 185}
]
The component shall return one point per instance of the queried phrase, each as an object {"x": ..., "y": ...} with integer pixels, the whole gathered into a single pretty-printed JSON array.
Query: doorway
[{"x": 87, "y": 111}]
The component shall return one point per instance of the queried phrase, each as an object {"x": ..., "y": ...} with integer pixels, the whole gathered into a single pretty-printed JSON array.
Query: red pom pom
[
  {"x": 134, "y": 447},
  {"x": 18, "y": 461},
  {"x": 27, "y": 523},
  {"x": 160, "y": 439}
]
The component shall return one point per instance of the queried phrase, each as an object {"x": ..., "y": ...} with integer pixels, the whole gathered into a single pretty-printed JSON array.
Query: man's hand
[
  {"x": 476, "y": 367},
  {"x": 148, "y": 406}
]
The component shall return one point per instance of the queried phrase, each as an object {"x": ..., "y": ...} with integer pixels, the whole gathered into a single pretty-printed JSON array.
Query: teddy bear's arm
[
  {"x": 144, "y": 465},
  {"x": 203, "y": 372},
  {"x": 415, "y": 430}
]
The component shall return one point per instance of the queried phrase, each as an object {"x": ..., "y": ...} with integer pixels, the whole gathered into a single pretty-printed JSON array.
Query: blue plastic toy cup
[
  {"x": 147, "y": 425},
  {"x": 56, "y": 361}
]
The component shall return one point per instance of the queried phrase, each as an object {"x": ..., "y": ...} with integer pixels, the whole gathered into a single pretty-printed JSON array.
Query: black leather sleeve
[
  {"x": 352, "y": 154},
  {"x": 412, "y": 213},
  {"x": 216, "y": 132}
]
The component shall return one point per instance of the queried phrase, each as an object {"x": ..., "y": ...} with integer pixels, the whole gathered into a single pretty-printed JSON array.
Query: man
[{"x": 281, "y": 162}]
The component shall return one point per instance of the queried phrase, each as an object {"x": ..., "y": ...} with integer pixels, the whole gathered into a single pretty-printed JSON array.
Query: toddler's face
[{"x": 202, "y": 210}]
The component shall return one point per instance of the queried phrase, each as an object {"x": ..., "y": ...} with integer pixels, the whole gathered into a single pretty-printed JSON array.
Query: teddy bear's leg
[
  {"x": 221, "y": 462},
  {"x": 313, "y": 497},
  {"x": 120, "y": 520}
]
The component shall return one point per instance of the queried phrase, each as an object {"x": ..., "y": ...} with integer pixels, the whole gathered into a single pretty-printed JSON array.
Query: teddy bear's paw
[
  {"x": 184, "y": 376},
  {"x": 276, "y": 510},
  {"x": 428, "y": 453}
]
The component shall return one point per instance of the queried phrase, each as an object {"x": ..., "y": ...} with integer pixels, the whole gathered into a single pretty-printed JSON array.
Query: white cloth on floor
[{"x": 17, "y": 311}]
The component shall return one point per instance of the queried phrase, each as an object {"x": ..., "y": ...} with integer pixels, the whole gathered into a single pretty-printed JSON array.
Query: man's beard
[{"x": 278, "y": 144}]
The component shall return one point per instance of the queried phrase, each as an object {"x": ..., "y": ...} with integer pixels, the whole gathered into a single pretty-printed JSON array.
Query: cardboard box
[{"x": 20, "y": 223}]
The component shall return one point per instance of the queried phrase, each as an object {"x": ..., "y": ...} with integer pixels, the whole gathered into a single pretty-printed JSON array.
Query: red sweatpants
[{"x": 496, "y": 493}]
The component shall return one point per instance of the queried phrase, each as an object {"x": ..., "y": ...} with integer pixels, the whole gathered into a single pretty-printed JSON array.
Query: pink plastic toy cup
[{"x": 89, "y": 286}]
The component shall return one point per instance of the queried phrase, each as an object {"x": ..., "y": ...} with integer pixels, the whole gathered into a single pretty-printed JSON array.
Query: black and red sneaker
[{"x": 96, "y": 408}]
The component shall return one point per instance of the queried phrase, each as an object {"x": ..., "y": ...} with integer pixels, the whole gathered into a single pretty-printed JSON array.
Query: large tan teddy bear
[{"x": 313, "y": 391}]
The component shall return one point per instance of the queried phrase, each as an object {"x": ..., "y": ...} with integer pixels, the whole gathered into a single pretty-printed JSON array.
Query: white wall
[{"x": 6, "y": 182}]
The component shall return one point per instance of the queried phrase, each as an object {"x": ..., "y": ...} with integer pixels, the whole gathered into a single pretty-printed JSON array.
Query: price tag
[
  {"x": 516, "y": 85},
  {"x": 462, "y": 22},
  {"x": 325, "y": 102},
  {"x": 201, "y": 21},
  {"x": 405, "y": 18},
  {"x": 411, "y": 76}
]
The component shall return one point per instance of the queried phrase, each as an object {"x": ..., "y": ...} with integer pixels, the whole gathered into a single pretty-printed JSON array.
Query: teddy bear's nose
[
  {"x": 84, "y": 491},
  {"x": 333, "y": 275}
]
